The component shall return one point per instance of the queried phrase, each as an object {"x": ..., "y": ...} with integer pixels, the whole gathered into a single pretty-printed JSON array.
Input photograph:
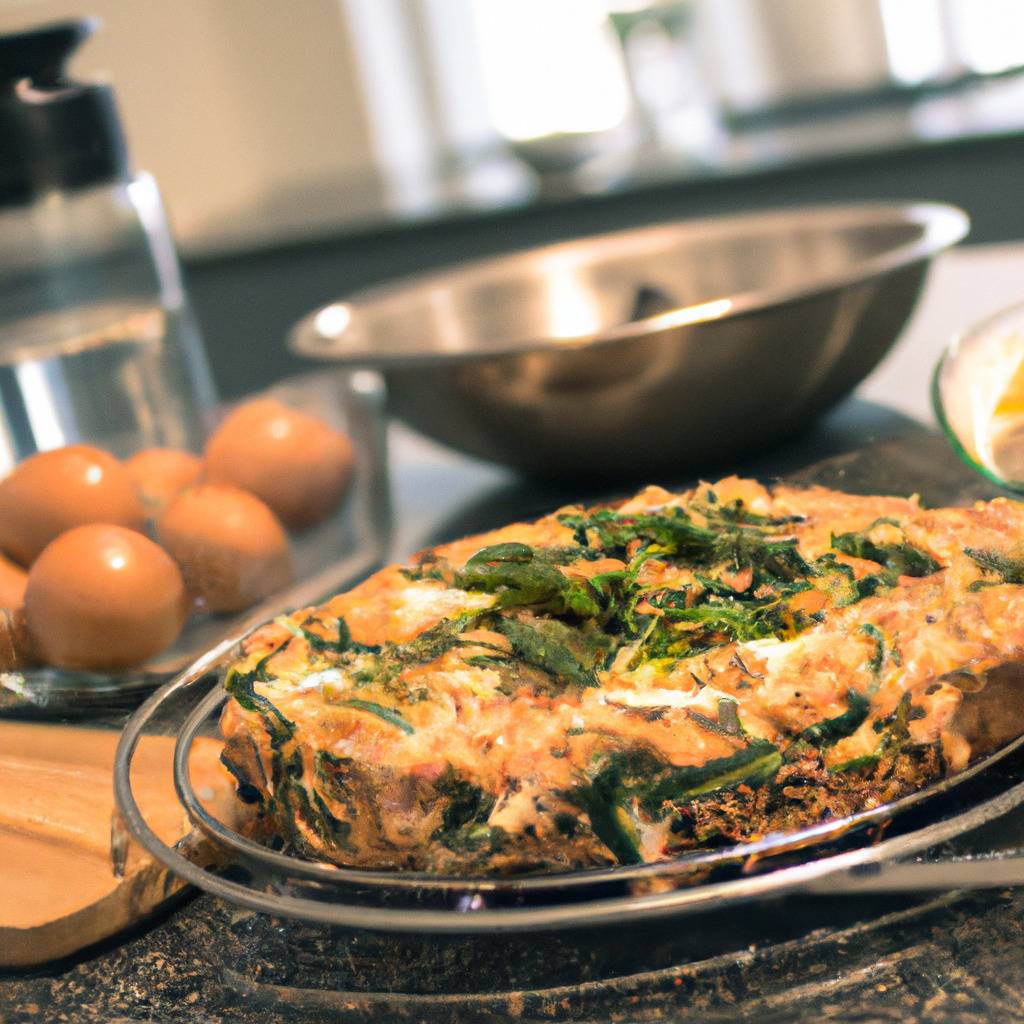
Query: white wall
[{"x": 248, "y": 112}]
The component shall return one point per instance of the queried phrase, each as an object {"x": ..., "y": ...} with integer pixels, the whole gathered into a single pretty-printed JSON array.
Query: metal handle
[{"x": 991, "y": 871}]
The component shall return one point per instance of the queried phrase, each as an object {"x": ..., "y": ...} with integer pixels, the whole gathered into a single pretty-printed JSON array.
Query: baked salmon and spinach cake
[{"x": 621, "y": 684}]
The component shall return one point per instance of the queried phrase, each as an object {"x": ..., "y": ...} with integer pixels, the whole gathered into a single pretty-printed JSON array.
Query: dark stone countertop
[{"x": 953, "y": 958}]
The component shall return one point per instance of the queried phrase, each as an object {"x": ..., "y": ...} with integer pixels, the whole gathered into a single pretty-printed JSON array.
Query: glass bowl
[
  {"x": 978, "y": 396},
  {"x": 321, "y": 559}
]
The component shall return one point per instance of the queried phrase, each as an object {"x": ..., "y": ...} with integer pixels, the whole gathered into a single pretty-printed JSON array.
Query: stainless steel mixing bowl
[{"x": 655, "y": 350}]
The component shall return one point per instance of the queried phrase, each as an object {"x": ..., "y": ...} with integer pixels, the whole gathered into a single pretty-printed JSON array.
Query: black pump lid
[{"x": 54, "y": 133}]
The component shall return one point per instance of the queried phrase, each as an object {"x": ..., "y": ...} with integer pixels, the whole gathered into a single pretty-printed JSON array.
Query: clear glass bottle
[{"x": 97, "y": 341}]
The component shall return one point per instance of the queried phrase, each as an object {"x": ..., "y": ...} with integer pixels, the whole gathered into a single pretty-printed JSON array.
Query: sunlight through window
[{"x": 549, "y": 67}]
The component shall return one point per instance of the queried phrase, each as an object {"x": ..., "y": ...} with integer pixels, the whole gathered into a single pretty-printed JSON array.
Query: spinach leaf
[
  {"x": 672, "y": 532},
  {"x": 567, "y": 654},
  {"x": 241, "y": 686},
  {"x": 1009, "y": 570},
  {"x": 772, "y": 560},
  {"x": 737, "y": 511},
  {"x": 640, "y": 777},
  {"x": 342, "y": 644},
  {"x": 725, "y": 621},
  {"x": 604, "y": 803},
  {"x": 895, "y": 735},
  {"x": 465, "y": 802},
  {"x": 519, "y": 579},
  {"x": 426, "y": 647},
  {"x": 313, "y": 813},
  {"x": 428, "y": 567},
  {"x": 389, "y": 715},
  {"x": 344, "y": 641},
  {"x": 827, "y": 732},
  {"x": 878, "y": 658},
  {"x": 715, "y": 621},
  {"x": 467, "y": 807},
  {"x": 899, "y": 559},
  {"x": 753, "y": 764},
  {"x": 845, "y": 585},
  {"x": 247, "y": 792},
  {"x": 714, "y": 588},
  {"x": 511, "y": 551},
  {"x": 334, "y": 775}
]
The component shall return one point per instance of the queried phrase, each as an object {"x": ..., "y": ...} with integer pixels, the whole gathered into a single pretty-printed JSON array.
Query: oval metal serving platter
[{"x": 820, "y": 858}]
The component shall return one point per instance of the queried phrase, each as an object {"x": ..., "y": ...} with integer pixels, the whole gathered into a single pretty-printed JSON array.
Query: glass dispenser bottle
[{"x": 97, "y": 341}]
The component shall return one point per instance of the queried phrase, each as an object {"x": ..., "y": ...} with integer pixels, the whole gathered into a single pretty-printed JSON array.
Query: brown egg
[
  {"x": 54, "y": 491},
  {"x": 12, "y": 584},
  {"x": 103, "y": 597},
  {"x": 231, "y": 548},
  {"x": 161, "y": 474},
  {"x": 296, "y": 463}
]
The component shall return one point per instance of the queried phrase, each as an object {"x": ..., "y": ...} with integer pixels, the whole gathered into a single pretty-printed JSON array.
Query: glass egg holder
[{"x": 352, "y": 541}]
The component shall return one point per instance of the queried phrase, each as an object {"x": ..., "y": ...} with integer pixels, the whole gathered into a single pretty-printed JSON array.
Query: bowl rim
[{"x": 324, "y": 334}]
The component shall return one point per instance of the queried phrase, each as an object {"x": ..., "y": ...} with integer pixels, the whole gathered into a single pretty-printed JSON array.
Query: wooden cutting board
[{"x": 58, "y": 888}]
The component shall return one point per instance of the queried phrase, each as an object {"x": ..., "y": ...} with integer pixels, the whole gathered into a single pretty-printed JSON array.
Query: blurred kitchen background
[{"x": 309, "y": 148}]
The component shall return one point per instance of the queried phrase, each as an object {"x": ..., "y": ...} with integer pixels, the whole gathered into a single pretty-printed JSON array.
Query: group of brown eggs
[{"x": 103, "y": 561}]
